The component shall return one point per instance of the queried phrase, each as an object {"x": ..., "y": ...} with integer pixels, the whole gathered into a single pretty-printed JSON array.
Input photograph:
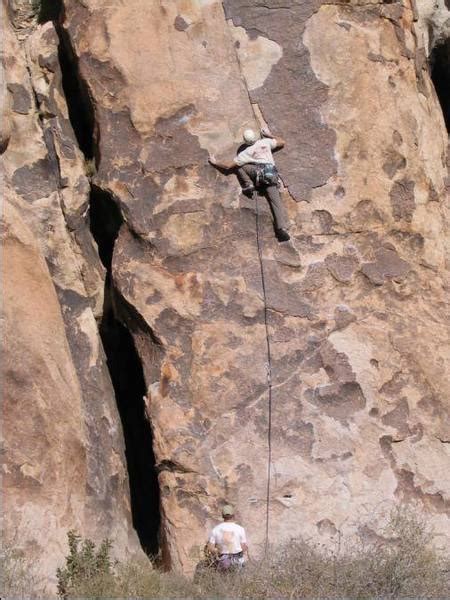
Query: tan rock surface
[
  {"x": 45, "y": 446},
  {"x": 358, "y": 303},
  {"x": 64, "y": 461}
]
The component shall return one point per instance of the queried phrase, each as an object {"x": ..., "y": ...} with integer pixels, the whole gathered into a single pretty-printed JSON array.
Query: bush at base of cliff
[
  {"x": 92, "y": 573},
  {"x": 401, "y": 564},
  {"x": 88, "y": 572}
]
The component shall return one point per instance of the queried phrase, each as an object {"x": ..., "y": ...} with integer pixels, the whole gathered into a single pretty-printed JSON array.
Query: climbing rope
[{"x": 269, "y": 374}]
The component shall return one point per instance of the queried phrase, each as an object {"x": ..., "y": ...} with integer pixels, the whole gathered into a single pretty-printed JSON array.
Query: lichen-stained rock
[
  {"x": 64, "y": 465},
  {"x": 357, "y": 304},
  {"x": 290, "y": 94}
]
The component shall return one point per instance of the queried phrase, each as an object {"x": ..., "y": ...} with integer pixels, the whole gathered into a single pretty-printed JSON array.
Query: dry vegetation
[
  {"x": 403, "y": 565},
  {"x": 19, "y": 579}
]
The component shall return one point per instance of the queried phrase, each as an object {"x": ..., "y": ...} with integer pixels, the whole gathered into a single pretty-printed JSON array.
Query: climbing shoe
[{"x": 283, "y": 235}]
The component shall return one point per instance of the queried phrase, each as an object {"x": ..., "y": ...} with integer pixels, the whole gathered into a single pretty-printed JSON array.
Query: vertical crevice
[
  {"x": 440, "y": 74},
  {"x": 79, "y": 104},
  {"x": 127, "y": 377},
  {"x": 105, "y": 221},
  {"x": 129, "y": 386},
  {"x": 120, "y": 325},
  {"x": 49, "y": 10},
  {"x": 76, "y": 92}
]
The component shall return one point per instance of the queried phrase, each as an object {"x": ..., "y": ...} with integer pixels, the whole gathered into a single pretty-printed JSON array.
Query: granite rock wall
[{"x": 357, "y": 303}]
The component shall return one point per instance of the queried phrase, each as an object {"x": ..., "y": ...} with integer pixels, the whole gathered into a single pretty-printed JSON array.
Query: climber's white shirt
[
  {"x": 228, "y": 537},
  {"x": 258, "y": 153}
]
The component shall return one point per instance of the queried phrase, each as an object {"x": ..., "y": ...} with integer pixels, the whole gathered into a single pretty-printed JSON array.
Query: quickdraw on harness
[
  {"x": 268, "y": 368},
  {"x": 266, "y": 175}
]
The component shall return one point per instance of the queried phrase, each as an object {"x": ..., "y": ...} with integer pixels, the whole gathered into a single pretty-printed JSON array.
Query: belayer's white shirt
[
  {"x": 228, "y": 537},
  {"x": 258, "y": 153}
]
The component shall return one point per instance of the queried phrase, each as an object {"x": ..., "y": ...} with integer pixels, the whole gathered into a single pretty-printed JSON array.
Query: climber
[
  {"x": 257, "y": 170},
  {"x": 228, "y": 542}
]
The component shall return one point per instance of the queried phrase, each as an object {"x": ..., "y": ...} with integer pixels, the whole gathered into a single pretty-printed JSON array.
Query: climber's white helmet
[{"x": 250, "y": 136}]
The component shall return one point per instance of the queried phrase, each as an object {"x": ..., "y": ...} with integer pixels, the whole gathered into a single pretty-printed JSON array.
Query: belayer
[
  {"x": 228, "y": 542},
  {"x": 256, "y": 170}
]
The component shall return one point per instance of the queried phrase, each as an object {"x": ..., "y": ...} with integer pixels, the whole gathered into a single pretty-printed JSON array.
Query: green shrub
[
  {"x": 88, "y": 572},
  {"x": 91, "y": 573}
]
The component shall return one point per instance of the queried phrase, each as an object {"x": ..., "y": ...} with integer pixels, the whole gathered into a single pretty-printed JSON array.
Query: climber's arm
[
  {"x": 279, "y": 142},
  {"x": 222, "y": 164},
  {"x": 211, "y": 545},
  {"x": 211, "y": 548}
]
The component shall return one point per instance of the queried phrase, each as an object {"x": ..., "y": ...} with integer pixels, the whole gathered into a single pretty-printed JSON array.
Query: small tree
[{"x": 84, "y": 565}]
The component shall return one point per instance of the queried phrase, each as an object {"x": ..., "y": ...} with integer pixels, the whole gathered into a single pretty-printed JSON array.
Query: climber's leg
[
  {"x": 247, "y": 175},
  {"x": 279, "y": 212}
]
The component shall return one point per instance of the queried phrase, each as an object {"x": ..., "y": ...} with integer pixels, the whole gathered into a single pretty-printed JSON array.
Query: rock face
[
  {"x": 357, "y": 304},
  {"x": 358, "y": 310},
  {"x": 64, "y": 464}
]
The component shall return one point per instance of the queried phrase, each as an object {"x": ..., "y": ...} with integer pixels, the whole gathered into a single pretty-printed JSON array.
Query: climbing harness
[
  {"x": 267, "y": 174},
  {"x": 230, "y": 562},
  {"x": 269, "y": 374}
]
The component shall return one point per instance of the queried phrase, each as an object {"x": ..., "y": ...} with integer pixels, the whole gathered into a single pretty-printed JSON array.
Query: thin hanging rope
[{"x": 269, "y": 375}]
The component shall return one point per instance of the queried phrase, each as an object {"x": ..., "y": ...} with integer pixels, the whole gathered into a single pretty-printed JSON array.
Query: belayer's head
[
  {"x": 250, "y": 136},
  {"x": 227, "y": 512}
]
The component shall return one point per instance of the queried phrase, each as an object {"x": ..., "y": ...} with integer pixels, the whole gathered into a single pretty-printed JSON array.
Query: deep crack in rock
[
  {"x": 440, "y": 74},
  {"x": 119, "y": 321},
  {"x": 125, "y": 368},
  {"x": 81, "y": 110}
]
